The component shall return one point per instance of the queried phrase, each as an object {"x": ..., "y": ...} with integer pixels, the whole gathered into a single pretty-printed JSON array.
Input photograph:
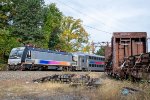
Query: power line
[
  {"x": 85, "y": 15},
  {"x": 96, "y": 29},
  {"x": 82, "y": 13},
  {"x": 106, "y": 16}
]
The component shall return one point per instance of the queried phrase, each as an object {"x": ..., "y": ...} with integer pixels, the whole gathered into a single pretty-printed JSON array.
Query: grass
[
  {"x": 2, "y": 67},
  {"x": 109, "y": 90}
]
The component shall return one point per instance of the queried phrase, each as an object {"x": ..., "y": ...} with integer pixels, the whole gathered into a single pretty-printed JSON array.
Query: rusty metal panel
[
  {"x": 126, "y": 44},
  {"x": 129, "y": 34},
  {"x": 108, "y": 52},
  {"x": 134, "y": 48}
]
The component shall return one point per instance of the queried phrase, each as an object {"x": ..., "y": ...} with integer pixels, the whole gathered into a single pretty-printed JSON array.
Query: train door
[{"x": 82, "y": 62}]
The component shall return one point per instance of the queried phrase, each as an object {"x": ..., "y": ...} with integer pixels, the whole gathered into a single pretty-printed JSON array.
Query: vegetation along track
[{"x": 18, "y": 85}]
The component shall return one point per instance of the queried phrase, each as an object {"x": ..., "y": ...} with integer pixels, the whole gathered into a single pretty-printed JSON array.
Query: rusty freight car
[{"x": 123, "y": 46}]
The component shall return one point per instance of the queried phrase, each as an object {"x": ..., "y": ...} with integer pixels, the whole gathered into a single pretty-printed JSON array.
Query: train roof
[
  {"x": 49, "y": 51},
  {"x": 86, "y": 54}
]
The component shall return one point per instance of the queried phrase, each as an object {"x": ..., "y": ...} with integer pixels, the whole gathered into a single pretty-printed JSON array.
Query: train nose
[{"x": 14, "y": 61}]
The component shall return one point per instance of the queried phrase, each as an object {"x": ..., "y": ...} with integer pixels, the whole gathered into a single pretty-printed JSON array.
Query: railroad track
[{"x": 31, "y": 75}]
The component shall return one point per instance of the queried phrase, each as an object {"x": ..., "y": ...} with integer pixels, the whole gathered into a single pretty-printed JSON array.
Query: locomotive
[{"x": 30, "y": 58}]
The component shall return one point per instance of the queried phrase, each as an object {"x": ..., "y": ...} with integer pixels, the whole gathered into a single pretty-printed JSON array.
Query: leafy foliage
[
  {"x": 52, "y": 24},
  {"x": 6, "y": 13},
  {"x": 6, "y": 43},
  {"x": 101, "y": 51},
  {"x": 74, "y": 37},
  {"x": 28, "y": 20}
]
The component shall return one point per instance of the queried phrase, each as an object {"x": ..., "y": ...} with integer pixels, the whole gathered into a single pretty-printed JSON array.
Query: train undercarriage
[{"x": 33, "y": 67}]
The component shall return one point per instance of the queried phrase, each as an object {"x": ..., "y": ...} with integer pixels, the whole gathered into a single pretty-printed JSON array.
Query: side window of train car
[
  {"x": 92, "y": 65},
  {"x": 96, "y": 58},
  {"x": 82, "y": 60},
  {"x": 29, "y": 54},
  {"x": 103, "y": 59},
  {"x": 99, "y": 58},
  {"x": 92, "y": 58},
  {"x": 89, "y": 65},
  {"x": 89, "y": 57}
]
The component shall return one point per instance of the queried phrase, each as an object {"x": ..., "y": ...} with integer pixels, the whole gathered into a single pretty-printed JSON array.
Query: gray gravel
[
  {"x": 28, "y": 75},
  {"x": 24, "y": 75}
]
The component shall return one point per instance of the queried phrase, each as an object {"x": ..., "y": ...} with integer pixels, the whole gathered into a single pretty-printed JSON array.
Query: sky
[{"x": 101, "y": 18}]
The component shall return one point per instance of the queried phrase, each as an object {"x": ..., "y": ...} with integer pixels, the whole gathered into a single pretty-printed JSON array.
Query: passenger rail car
[
  {"x": 89, "y": 62},
  {"x": 29, "y": 58}
]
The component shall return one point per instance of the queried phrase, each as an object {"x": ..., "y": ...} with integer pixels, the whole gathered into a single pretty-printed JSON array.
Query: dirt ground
[{"x": 18, "y": 85}]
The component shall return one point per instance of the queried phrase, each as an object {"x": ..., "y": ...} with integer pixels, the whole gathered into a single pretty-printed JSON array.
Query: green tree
[
  {"x": 74, "y": 37},
  {"x": 6, "y": 44},
  {"x": 52, "y": 24},
  {"x": 101, "y": 51},
  {"x": 6, "y": 13},
  {"x": 28, "y": 20}
]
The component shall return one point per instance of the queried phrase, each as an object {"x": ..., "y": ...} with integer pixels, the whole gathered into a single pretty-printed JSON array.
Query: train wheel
[
  {"x": 11, "y": 67},
  {"x": 84, "y": 69},
  {"x": 64, "y": 69},
  {"x": 73, "y": 68},
  {"x": 40, "y": 69},
  {"x": 22, "y": 68}
]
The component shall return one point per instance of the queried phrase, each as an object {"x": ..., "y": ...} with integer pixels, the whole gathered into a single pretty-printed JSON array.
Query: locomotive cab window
[
  {"x": 74, "y": 58},
  {"x": 29, "y": 54}
]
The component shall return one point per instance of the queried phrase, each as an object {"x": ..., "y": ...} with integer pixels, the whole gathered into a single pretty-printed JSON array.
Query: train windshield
[{"x": 16, "y": 53}]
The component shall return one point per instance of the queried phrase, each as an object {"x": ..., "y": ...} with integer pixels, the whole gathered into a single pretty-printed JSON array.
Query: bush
[{"x": 3, "y": 67}]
